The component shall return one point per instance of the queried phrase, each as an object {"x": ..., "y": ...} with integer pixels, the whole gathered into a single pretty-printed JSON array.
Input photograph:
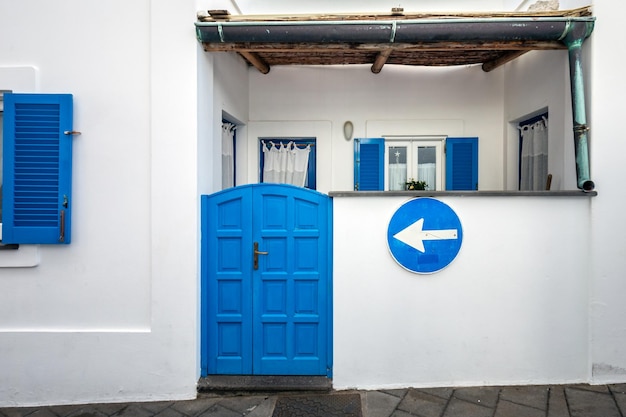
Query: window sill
[
  {"x": 25, "y": 256},
  {"x": 572, "y": 193}
]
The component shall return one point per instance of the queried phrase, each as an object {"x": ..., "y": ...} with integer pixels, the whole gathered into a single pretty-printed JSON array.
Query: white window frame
[{"x": 414, "y": 142}]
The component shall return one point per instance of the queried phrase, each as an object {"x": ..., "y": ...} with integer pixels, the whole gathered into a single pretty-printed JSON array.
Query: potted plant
[{"x": 412, "y": 184}]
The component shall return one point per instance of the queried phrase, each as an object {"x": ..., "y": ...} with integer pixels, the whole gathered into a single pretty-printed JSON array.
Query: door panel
[
  {"x": 226, "y": 245},
  {"x": 274, "y": 320}
]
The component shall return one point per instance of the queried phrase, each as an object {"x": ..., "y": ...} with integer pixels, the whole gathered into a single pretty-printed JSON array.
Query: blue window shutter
[
  {"x": 462, "y": 164},
  {"x": 369, "y": 164},
  {"x": 37, "y": 171}
]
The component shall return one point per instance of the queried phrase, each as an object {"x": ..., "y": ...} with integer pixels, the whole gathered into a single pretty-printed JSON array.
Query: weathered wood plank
[
  {"x": 579, "y": 12},
  {"x": 377, "y": 47},
  {"x": 491, "y": 65}
]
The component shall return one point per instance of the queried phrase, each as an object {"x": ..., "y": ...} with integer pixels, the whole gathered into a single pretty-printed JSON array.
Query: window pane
[
  {"x": 397, "y": 167},
  {"x": 427, "y": 166}
]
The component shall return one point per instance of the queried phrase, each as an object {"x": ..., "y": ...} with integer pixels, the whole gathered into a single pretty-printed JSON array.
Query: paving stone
[
  {"x": 243, "y": 405},
  {"x": 379, "y": 404},
  {"x": 487, "y": 396},
  {"x": 85, "y": 412},
  {"x": 66, "y": 410},
  {"x": 557, "y": 405},
  {"x": 462, "y": 408},
  {"x": 42, "y": 412},
  {"x": 134, "y": 410},
  {"x": 169, "y": 412},
  {"x": 400, "y": 393},
  {"x": 591, "y": 403},
  {"x": 422, "y": 404},
  {"x": 16, "y": 411},
  {"x": 620, "y": 399},
  {"x": 532, "y": 396},
  {"x": 219, "y": 411},
  {"x": 157, "y": 406},
  {"x": 618, "y": 388},
  {"x": 195, "y": 407},
  {"x": 110, "y": 408},
  {"x": 594, "y": 388},
  {"x": 509, "y": 409},
  {"x": 581, "y": 400},
  {"x": 444, "y": 393},
  {"x": 265, "y": 409},
  {"x": 400, "y": 413}
]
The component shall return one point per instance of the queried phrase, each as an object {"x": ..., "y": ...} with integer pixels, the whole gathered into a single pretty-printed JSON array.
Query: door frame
[{"x": 204, "y": 274}]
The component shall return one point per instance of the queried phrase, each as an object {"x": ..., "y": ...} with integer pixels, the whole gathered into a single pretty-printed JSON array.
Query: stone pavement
[{"x": 510, "y": 401}]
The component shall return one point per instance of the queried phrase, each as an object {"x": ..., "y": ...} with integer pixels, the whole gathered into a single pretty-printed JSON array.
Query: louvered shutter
[
  {"x": 369, "y": 164},
  {"x": 37, "y": 171},
  {"x": 461, "y": 164}
]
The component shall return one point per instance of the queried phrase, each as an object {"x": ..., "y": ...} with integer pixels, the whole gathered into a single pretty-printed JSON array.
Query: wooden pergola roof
[{"x": 425, "y": 39}]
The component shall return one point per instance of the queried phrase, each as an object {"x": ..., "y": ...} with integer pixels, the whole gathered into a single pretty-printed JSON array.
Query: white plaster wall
[
  {"x": 510, "y": 309},
  {"x": 231, "y": 100},
  {"x": 110, "y": 154},
  {"x": 608, "y": 286},
  {"x": 103, "y": 319},
  {"x": 465, "y": 99},
  {"x": 534, "y": 82}
]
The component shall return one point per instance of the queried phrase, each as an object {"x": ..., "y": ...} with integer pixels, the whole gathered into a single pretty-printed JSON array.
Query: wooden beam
[
  {"x": 256, "y": 61},
  {"x": 491, "y": 65},
  {"x": 380, "y": 60}
]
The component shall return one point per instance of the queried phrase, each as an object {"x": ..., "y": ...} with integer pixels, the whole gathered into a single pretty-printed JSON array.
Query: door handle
[{"x": 256, "y": 255}]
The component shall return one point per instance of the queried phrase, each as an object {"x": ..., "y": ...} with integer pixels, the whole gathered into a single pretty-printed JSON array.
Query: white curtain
[
  {"x": 534, "y": 160},
  {"x": 285, "y": 163},
  {"x": 228, "y": 163},
  {"x": 427, "y": 173},
  {"x": 397, "y": 176}
]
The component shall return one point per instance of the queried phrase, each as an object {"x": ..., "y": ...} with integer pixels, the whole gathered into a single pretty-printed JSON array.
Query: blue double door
[{"x": 266, "y": 281}]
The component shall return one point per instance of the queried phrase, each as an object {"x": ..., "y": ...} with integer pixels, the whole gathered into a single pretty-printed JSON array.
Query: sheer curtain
[
  {"x": 285, "y": 163},
  {"x": 228, "y": 163},
  {"x": 534, "y": 160},
  {"x": 427, "y": 173},
  {"x": 397, "y": 176},
  {"x": 397, "y": 168}
]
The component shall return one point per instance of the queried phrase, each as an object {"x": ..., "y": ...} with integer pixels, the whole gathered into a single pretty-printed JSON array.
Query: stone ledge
[
  {"x": 412, "y": 193},
  {"x": 263, "y": 383}
]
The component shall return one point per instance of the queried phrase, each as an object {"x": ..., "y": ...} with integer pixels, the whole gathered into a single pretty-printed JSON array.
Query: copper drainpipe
[{"x": 574, "y": 38}]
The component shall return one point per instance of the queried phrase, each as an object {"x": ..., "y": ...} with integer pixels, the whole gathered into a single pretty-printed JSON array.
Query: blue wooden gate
[{"x": 266, "y": 281}]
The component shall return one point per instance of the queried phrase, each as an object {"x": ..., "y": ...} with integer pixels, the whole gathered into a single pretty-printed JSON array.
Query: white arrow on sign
[{"x": 414, "y": 236}]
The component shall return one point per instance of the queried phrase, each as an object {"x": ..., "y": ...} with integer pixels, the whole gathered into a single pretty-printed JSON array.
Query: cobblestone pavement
[{"x": 514, "y": 401}]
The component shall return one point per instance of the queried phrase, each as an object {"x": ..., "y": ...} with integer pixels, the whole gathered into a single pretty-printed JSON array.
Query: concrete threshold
[{"x": 266, "y": 383}]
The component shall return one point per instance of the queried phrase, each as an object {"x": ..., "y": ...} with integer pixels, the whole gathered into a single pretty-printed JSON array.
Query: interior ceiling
[{"x": 453, "y": 39}]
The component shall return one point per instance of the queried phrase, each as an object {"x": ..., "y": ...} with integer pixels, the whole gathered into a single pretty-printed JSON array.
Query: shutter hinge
[{"x": 72, "y": 133}]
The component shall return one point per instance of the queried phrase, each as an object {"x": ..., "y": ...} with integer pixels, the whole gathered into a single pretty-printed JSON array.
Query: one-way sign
[{"x": 424, "y": 235}]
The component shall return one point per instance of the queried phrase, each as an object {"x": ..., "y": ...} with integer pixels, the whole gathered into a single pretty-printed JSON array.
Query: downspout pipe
[
  {"x": 573, "y": 39},
  {"x": 388, "y": 31}
]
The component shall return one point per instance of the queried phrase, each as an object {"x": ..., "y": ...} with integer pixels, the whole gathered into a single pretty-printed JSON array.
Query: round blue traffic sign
[{"x": 424, "y": 235}]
